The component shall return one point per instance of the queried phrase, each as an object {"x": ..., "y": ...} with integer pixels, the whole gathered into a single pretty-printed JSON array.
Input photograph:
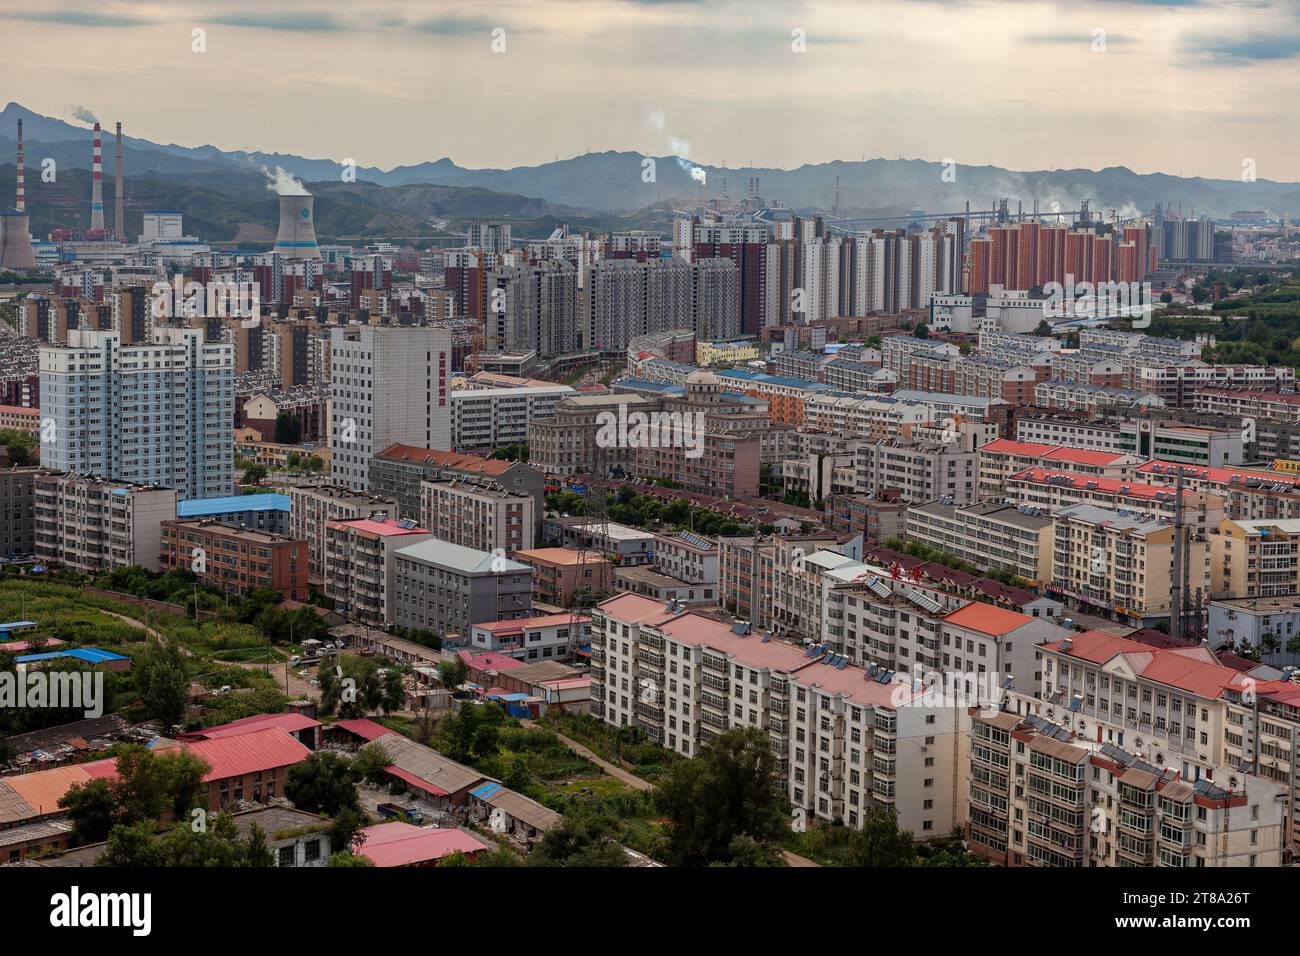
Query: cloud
[
  {"x": 455, "y": 26},
  {"x": 83, "y": 114},
  {"x": 308, "y": 21},
  {"x": 1082, "y": 38},
  {"x": 77, "y": 18},
  {"x": 1263, "y": 47}
]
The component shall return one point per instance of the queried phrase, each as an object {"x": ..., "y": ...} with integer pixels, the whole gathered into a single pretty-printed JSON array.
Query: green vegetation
[
  {"x": 357, "y": 686},
  {"x": 645, "y": 511},
  {"x": 626, "y": 746},
  {"x": 879, "y": 843},
  {"x": 20, "y": 446},
  {"x": 724, "y": 801},
  {"x": 148, "y": 787},
  {"x": 288, "y": 429},
  {"x": 517, "y": 452}
]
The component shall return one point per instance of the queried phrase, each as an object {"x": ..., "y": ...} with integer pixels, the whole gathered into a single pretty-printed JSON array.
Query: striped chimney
[
  {"x": 22, "y": 193},
  {"x": 97, "y": 187}
]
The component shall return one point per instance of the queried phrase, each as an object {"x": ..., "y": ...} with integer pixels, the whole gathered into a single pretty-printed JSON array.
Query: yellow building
[
  {"x": 1256, "y": 558},
  {"x": 725, "y": 353}
]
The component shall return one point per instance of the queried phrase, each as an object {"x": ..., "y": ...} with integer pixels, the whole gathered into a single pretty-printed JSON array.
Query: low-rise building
[
  {"x": 236, "y": 560},
  {"x": 548, "y": 637}
]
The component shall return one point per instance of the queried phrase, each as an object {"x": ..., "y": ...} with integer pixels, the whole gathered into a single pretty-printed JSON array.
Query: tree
[
  {"x": 922, "y": 331},
  {"x": 345, "y": 835},
  {"x": 255, "y": 474},
  {"x": 880, "y": 842},
  {"x": 453, "y": 673},
  {"x": 730, "y": 790},
  {"x": 91, "y": 808},
  {"x": 161, "y": 679},
  {"x": 323, "y": 783},
  {"x": 369, "y": 762},
  {"x": 1044, "y": 328},
  {"x": 472, "y": 733},
  {"x": 255, "y": 849},
  {"x": 347, "y": 858},
  {"x": 583, "y": 839},
  {"x": 288, "y": 429}
]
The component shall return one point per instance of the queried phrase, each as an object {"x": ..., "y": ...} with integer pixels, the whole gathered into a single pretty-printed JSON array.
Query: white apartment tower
[
  {"x": 389, "y": 387},
  {"x": 159, "y": 413}
]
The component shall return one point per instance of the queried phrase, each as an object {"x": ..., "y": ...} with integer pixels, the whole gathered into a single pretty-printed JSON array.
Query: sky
[{"x": 1186, "y": 87}]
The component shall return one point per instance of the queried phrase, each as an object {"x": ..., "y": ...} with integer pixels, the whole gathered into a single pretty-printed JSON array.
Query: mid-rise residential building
[
  {"x": 846, "y": 739},
  {"x": 1180, "y": 708},
  {"x": 478, "y": 513},
  {"x": 918, "y": 471},
  {"x": 235, "y": 560},
  {"x": 397, "y": 471},
  {"x": 155, "y": 413},
  {"x": 987, "y": 534},
  {"x": 561, "y": 575},
  {"x": 446, "y": 588},
  {"x": 1052, "y": 491},
  {"x": 390, "y": 386},
  {"x": 1253, "y": 559},
  {"x": 18, "y": 511},
  {"x": 313, "y": 507},
  {"x": 1121, "y": 565},
  {"x": 485, "y": 419},
  {"x": 1042, "y": 796},
  {"x": 1001, "y": 459},
  {"x": 91, "y": 525},
  {"x": 360, "y": 568}
]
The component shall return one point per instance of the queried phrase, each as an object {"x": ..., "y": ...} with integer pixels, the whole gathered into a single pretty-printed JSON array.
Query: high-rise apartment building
[
  {"x": 389, "y": 386},
  {"x": 159, "y": 414}
]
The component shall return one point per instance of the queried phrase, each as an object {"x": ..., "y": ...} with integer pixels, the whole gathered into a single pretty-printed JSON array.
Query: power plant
[
  {"x": 15, "y": 228},
  {"x": 96, "y": 230},
  {"x": 296, "y": 238}
]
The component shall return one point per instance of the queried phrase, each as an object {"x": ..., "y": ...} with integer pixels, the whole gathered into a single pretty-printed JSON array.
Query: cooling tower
[
  {"x": 119, "y": 201},
  {"x": 297, "y": 236},
  {"x": 21, "y": 204},
  {"x": 15, "y": 241},
  {"x": 97, "y": 188}
]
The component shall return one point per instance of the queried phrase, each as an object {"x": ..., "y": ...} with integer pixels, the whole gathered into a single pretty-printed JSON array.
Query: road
[{"x": 636, "y": 783}]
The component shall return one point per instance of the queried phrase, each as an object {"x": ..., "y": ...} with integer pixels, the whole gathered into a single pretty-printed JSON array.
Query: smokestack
[
  {"x": 297, "y": 236},
  {"x": 119, "y": 201},
  {"x": 21, "y": 204},
  {"x": 15, "y": 228},
  {"x": 97, "y": 188}
]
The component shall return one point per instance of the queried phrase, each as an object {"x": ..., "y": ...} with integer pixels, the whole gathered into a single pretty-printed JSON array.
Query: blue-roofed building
[
  {"x": 108, "y": 660},
  {"x": 267, "y": 512}
]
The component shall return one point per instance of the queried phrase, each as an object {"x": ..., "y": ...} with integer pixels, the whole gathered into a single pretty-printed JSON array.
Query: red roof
[
  {"x": 489, "y": 661},
  {"x": 1081, "y": 482},
  {"x": 403, "y": 844},
  {"x": 364, "y": 728},
  {"x": 290, "y": 723},
  {"x": 1007, "y": 446},
  {"x": 1192, "y": 668},
  {"x": 988, "y": 618},
  {"x": 415, "y": 781},
  {"x": 1221, "y": 476},
  {"x": 544, "y": 620},
  {"x": 446, "y": 459},
  {"x": 249, "y": 753}
]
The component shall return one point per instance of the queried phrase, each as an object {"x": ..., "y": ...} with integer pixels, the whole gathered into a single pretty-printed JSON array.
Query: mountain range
[{"x": 222, "y": 192}]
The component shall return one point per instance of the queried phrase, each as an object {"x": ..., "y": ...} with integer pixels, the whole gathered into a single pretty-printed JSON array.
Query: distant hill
[{"x": 595, "y": 186}]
